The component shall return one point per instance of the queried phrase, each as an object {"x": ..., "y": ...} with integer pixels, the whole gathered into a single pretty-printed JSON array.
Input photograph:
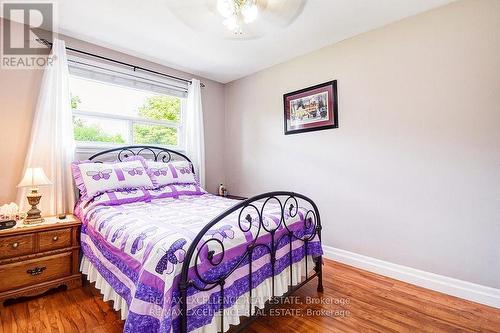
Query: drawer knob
[
  {"x": 15, "y": 245},
  {"x": 55, "y": 238},
  {"x": 36, "y": 271}
]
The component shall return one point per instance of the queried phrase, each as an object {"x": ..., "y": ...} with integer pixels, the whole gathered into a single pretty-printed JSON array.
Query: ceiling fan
[{"x": 236, "y": 19}]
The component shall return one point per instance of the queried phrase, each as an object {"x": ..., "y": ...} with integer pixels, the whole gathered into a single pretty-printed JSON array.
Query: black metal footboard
[{"x": 288, "y": 203}]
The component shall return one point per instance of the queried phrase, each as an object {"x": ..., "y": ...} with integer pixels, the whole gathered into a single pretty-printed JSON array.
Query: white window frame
[
  {"x": 131, "y": 121},
  {"x": 93, "y": 147}
]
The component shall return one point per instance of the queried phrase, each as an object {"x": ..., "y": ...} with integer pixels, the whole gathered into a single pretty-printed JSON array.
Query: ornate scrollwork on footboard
[{"x": 255, "y": 220}]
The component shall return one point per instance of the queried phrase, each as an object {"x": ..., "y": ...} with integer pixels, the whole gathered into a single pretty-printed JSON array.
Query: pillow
[
  {"x": 176, "y": 172},
  {"x": 95, "y": 178}
]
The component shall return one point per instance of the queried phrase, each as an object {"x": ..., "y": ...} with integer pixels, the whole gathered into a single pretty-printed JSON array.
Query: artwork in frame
[{"x": 311, "y": 109}]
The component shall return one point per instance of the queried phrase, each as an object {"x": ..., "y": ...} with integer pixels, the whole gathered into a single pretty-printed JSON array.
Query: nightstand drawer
[
  {"x": 15, "y": 246},
  {"x": 31, "y": 272},
  {"x": 55, "y": 239}
]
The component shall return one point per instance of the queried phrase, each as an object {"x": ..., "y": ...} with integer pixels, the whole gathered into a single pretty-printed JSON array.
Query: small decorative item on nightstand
[
  {"x": 9, "y": 214},
  {"x": 7, "y": 224},
  {"x": 34, "y": 177},
  {"x": 222, "y": 190}
]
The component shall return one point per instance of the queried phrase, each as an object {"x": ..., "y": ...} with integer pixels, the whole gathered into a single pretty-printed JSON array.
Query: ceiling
[{"x": 148, "y": 29}]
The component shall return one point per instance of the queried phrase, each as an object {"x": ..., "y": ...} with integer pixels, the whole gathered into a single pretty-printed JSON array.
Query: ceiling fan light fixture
[{"x": 240, "y": 20}]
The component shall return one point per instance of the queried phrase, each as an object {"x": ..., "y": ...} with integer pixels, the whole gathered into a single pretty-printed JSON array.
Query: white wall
[{"x": 412, "y": 176}]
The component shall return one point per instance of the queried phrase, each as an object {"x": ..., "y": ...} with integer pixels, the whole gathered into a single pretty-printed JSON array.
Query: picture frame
[{"x": 311, "y": 109}]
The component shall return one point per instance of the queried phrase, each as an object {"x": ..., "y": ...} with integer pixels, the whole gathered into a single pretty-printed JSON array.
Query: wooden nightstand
[
  {"x": 36, "y": 258},
  {"x": 235, "y": 197}
]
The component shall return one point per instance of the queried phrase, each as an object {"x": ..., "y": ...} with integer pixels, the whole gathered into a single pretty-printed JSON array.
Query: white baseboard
[{"x": 466, "y": 290}]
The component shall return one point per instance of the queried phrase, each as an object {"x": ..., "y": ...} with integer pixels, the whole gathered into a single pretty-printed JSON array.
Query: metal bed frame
[{"x": 289, "y": 205}]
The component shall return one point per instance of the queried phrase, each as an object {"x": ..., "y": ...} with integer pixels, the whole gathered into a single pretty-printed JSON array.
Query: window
[{"x": 112, "y": 109}]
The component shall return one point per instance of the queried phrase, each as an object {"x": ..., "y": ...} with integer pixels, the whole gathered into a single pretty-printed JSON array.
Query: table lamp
[{"x": 34, "y": 177}]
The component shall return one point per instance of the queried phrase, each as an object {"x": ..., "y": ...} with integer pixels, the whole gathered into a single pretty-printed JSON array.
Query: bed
[{"x": 178, "y": 259}]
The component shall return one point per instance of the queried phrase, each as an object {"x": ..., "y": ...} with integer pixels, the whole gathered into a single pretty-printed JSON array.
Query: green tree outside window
[{"x": 160, "y": 107}]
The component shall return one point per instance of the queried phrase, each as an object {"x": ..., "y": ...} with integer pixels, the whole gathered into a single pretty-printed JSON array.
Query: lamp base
[
  {"x": 34, "y": 214},
  {"x": 33, "y": 220}
]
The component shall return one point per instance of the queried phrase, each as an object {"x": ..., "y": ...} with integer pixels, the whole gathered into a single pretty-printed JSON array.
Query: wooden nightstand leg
[{"x": 75, "y": 282}]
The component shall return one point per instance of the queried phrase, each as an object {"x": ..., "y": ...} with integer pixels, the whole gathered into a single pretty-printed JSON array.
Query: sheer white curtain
[
  {"x": 52, "y": 144},
  {"x": 194, "y": 135}
]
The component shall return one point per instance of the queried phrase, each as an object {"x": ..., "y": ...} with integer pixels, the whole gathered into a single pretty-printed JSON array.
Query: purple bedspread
[{"x": 138, "y": 245}]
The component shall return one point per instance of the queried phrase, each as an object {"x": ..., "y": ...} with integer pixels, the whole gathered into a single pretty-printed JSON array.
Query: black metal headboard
[{"x": 158, "y": 154}]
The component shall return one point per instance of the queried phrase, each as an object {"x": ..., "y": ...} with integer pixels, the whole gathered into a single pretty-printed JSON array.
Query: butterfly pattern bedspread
[{"x": 139, "y": 248}]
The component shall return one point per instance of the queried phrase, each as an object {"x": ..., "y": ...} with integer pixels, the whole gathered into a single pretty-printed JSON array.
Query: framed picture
[{"x": 311, "y": 109}]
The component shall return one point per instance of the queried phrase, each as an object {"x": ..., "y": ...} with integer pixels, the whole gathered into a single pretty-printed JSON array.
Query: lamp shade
[{"x": 34, "y": 177}]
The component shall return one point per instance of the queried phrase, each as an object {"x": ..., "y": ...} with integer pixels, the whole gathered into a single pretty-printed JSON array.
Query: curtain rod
[{"x": 134, "y": 67}]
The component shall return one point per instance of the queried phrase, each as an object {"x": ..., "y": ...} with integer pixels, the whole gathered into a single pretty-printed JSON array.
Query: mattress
[{"x": 136, "y": 251}]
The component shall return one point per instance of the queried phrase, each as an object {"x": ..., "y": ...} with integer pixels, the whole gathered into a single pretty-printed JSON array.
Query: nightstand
[
  {"x": 235, "y": 197},
  {"x": 37, "y": 258}
]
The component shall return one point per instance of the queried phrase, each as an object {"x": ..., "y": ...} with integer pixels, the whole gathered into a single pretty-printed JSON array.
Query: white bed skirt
[
  {"x": 260, "y": 294},
  {"x": 108, "y": 293}
]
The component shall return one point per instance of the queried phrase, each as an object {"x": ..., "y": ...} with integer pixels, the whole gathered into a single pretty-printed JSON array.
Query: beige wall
[
  {"x": 18, "y": 94},
  {"x": 412, "y": 176}
]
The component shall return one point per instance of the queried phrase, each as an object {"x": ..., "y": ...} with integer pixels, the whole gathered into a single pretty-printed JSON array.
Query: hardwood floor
[{"x": 354, "y": 301}]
